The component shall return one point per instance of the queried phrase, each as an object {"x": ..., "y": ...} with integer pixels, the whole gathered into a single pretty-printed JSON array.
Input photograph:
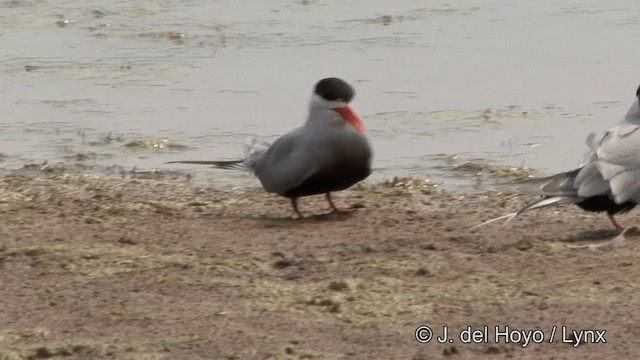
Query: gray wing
[
  {"x": 589, "y": 181},
  {"x": 618, "y": 160},
  {"x": 287, "y": 163}
]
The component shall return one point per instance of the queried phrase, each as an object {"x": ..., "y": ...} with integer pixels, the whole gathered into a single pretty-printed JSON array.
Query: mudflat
[{"x": 145, "y": 269}]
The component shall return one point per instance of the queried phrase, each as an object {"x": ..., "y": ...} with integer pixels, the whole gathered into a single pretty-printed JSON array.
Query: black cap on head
[
  {"x": 334, "y": 89},
  {"x": 638, "y": 92}
]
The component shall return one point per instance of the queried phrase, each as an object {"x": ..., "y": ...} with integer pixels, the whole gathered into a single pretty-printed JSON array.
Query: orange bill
[{"x": 349, "y": 114}]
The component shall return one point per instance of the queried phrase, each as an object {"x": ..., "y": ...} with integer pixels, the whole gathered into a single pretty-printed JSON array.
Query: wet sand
[{"x": 155, "y": 269}]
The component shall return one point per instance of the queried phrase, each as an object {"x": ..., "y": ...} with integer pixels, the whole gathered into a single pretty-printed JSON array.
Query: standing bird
[
  {"x": 608, "y": 179},
  {"x": 329, "y": 153}
]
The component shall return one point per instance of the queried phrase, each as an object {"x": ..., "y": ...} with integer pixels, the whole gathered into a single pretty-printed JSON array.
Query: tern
[
  {"x": 608, "y": 179},
  {"x": 330, "y": 152}
]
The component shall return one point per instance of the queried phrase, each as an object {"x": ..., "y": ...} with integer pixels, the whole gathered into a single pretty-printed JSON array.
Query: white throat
[{"x": 322, "y": 113}]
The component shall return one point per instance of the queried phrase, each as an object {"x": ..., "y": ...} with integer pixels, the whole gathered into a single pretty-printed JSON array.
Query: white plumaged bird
[
  {"x": 329, "y": 153},
  {"x": 607, "y": 180}
]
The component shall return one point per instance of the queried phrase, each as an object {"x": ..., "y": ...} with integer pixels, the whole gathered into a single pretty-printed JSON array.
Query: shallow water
[{"x": 99, "y": 85}]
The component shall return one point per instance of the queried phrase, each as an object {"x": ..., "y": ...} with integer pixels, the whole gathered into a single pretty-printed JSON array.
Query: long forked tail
[
  {"x": 556, "y": 185},
  {"x": 228, "y": 165},
  {"x": 556, "y": 189},
  {"x": 542, "y": 203},
  {"x": 253, "y": 152}
]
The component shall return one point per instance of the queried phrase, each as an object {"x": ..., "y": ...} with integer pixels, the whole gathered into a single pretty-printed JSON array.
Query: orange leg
[
  {"x": 334, "y": 209},
  {"x": 294, "y": 203},
  {"x": 615, "y": 223}
]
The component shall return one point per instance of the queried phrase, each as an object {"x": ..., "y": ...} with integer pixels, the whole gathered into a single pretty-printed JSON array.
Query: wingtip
[
  {"x": 229, "y": 165},
  {"x": 202, "y": 162},
  {"x": 510, "y": 217}
]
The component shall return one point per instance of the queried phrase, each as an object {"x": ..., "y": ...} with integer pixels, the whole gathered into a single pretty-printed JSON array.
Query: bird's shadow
[
  {"x": 598, "y": 235},
  {"x": 273, "y": 221}
]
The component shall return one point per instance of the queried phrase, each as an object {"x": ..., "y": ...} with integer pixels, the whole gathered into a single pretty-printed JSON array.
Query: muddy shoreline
[{"x": 146, "y": 269}]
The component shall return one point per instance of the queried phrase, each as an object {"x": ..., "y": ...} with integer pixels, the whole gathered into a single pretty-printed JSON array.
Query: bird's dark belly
[
  {"x": 605, "y": 203},
  {"x": 338, "y": 177}
]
